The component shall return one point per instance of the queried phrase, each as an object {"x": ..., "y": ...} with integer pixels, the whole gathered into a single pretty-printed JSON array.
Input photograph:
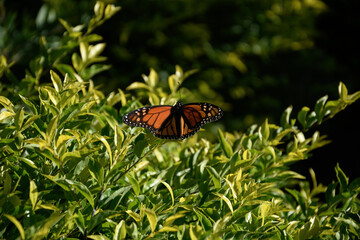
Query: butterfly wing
[
  {"x": 151, "y": 118},
  {"x": 197, "y": 114}
]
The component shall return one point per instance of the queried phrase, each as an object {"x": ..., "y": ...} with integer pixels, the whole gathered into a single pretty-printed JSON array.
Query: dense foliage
[{"x": 69, "y": 168}]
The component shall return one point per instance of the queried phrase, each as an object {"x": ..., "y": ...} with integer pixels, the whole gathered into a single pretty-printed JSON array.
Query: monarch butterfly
[{"x": 174, "y": 122}]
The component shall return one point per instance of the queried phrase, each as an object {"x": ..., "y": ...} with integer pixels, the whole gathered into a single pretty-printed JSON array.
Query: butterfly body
[{"x": 174, "y": 122}]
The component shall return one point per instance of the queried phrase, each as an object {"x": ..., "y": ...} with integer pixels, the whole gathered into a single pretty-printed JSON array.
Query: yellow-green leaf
[
  {"x": 154, "y": 99},
  {"x": 49, "y": 207},
  {"x": 29, "y": 122},
  {"x": 98, "y": 237},
  {"x": 51, "y": 128},
  {"x": 19, "y": 118},
  {"x": 172, "y": 83},
  {"x": 7, "y": 183},
  {"x": 215, "y": 176},
  {"x": 170, "y": 190},
  {"x": 53, "y": 95},
  {"x": 195, "y": 232},
  {"x": 87, "y": 106},
  {"x": 137, "y": 85},
  {"x": 44, "y": 230},
  {"x": 134, "y": 215},
  {"x": 169, "y": 229},
  {"x": 153, "y": 78},
  {"x": 226, "y": 200},
  {"x": 29, "y": 104},
  {"x": 110, "y": 10},
  {"x": 120, "y": 231},
  {"x": 84, "y": 51},
  {"x": 122, "y": 97},
  {"x": 119, "y": 137},
  {"x": 17, "y": 225},
  {"x": 83, "y": 190},
  {"x": 108, "y": 148},
  {"x": 264, "y": 211},
  {"x": 172, "y": 218},
  {"x": 76, "y": 61},
  {"x": 225, "y": 145},
  {"x": 270, "y": 150},
  {"x": 62, "y": 140},
  {"x": 232, "y": 188},
  {"x": 134, "y": 183},
  {"x": 7, "y": 104},
  {"x": 99, "y": 8},
  {"x": 95, "y": 50},
  {"x": 56, "y": 81},
  {"x": 33, "y": 194},
  {"x": 238, "y": 178},
  {"x": 264, "y": 131},
  {"x": 28, "y": 162},
  {"x": 152, "y": 218},
  {"x": 37, "y": 141},
  {"x": 5, "y": 114},
  {"x": 343, "y": 92}
]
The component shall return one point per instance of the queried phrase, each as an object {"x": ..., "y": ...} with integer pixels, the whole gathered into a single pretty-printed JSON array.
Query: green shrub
[{"x": 70, "y": 169}]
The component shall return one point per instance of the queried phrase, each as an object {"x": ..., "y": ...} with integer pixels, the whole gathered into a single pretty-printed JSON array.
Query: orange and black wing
[
  {"x": 196, "y": 115},
  {"x": 151, "y": 118}
]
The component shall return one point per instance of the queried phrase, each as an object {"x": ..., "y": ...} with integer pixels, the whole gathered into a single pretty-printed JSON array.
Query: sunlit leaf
[
  {"x": 170, "y": 220},
  {"x": 138, "y": 85},
  {"x": 195, "y": 232},
  {"x": 120, "y": 231},
  {"x": 110, "y": 10},
  {"x": 231, "y": 188},
  {"x": 150, "y": 214},
  {"x": 17, "y": 225},
  {"x": 98, "y": 237},
  {"x": 29, "y": 122},
  {"x": 342, "y": 178},
  {"x": 302, "y": 116},
  {"x": 33, "y": 194},
  {"x": 134, "y": 215},
  {"x": 96, "y": 50},
  {"x": 30, "y": 104},
  {"x": 226, "y": 200},
  {"x": 264, "y": 211},
  {"x": 51, "y": 128},
  {"x": 224, "y": 144},
  {"x": 285, "y": 117},
  {"x": 170, "y": 191},
  {"x": 19, "y": 118},
  {"x": 343, "y": 92},
  {"x": 169, "y": 229},
  {"x": 56, "y": 81},
  {"x": 7, "y": 104},
  {"x": 108, "y": 148},
  {"x": 5, "y": 114},
  {"x": 37, "y": 141}
]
